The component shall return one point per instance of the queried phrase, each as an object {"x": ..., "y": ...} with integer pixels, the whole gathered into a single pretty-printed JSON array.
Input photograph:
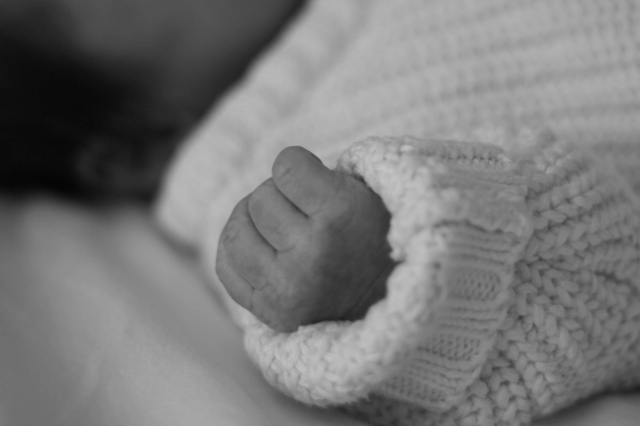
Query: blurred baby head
[{"x": 95, "y": 96}]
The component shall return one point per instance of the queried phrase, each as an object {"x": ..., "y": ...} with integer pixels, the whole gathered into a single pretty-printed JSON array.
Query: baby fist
[{"x": 307, "y": 245}]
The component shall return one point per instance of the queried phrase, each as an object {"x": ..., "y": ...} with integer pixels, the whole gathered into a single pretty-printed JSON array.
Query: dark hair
[
  {"x": 104, "y": 118},
  {"x": 66, "y": 125}
]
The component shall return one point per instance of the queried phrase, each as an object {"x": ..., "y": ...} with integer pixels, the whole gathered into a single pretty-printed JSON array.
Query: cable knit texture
[{"x": 516, "y": 291}]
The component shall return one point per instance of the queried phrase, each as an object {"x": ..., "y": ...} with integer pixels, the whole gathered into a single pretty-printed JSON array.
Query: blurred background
[{"x": 95, "y": 94}]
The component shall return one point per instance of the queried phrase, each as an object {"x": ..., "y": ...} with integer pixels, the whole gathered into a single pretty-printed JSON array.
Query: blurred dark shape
[
  {"x": 93, "y": 102},
  {"x": 50, "y": 104}
]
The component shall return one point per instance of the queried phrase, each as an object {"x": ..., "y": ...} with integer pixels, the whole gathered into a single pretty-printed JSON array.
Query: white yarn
[{"x": 518, "y": 291}]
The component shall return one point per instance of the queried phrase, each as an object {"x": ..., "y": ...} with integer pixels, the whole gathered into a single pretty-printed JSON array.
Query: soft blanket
[{"x": 102, "y": 323}]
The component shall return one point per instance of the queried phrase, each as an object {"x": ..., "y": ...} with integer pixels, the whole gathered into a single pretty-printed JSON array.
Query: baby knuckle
[
  {"x": 255, "y": 203},
  {"x": 259, "y": 277},
  {"x": 257, "y": 200},
  {"x": 283, "y": 170},
  {"x": 289, "y": 237},
  {"x": 230, "y": 233}
]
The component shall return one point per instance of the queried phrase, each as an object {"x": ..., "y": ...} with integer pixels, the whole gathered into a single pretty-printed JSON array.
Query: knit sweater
[{"x": 517, "y": 286}]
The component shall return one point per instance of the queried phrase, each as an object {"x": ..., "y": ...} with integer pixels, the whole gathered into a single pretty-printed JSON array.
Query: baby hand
[{"x": 307, "y": 245}]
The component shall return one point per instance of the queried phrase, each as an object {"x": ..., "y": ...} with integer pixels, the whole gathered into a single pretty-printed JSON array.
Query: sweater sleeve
[{"x": 515, "y": 293}]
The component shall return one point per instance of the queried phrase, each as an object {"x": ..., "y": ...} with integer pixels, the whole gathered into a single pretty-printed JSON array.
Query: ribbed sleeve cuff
[{"x": 458, "y": 225}]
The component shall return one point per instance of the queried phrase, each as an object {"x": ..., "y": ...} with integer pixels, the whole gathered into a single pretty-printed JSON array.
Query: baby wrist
[
  {"x": 459, "y": 223},
  {"x": 459, "y": 216}
]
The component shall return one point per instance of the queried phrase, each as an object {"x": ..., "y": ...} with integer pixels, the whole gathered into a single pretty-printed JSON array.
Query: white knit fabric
[{"x": 517, "y": 288}]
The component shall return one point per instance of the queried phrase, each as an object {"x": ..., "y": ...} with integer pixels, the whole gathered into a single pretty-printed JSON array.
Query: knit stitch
[
  {"x": 573, "y": 310},
  {"x": 516, "y": 291}
]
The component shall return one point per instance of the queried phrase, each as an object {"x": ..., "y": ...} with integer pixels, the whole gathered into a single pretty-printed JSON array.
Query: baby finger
[
  {"x": 279, "y": 222},
  {"x": 248, "y": 253}
]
